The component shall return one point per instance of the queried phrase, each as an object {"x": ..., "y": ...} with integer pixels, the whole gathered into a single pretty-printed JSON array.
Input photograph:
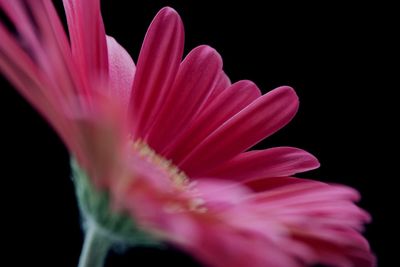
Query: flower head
[{"x": 167, "y": 141}]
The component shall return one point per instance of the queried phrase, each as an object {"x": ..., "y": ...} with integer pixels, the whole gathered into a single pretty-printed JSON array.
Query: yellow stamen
[{"x": 177, "y": 177}]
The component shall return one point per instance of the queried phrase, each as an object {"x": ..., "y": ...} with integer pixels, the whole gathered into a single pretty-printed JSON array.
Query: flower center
[{"x": 178, "y": 178}]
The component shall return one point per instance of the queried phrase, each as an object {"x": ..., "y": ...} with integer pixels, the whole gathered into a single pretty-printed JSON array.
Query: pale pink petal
[
  {"x": 157, "y": 66},
  {"x": 274, "y": 162},
  {"x": 262, "y": 118},
  {"x": 121, "y": 72},
  {"x": 88, "y": 39},
  {"x": 220, "y": 194},
  {"x": 289, "y": 197},
  {"x": 196, "y": 76},
  {"x": 222, "y": 246},
  {"x": 293, "y": 189},
  {"x": 317, "y": 215},
  {"x": 223, "y": 107}
]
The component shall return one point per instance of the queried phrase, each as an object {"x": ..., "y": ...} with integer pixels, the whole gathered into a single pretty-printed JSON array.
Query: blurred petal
[
  {"x": 88, "y": 39},
  {"x": 121, "y": 72}
]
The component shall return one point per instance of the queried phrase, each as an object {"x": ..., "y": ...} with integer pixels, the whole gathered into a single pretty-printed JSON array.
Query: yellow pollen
[{"x": 177, "y": 177}]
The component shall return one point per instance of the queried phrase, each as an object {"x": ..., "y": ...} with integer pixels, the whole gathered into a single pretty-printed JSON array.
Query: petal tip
[
  {"x": 285, "y": 89},
  {"x": 207, "y": 51},
  {"x": 168, "y": 13},
  {"x": 313, "y": 160},
  {"x": 168, "y": 17},
  {"x": 290, "y": 95},
  {"x": 310, "y": 162}
]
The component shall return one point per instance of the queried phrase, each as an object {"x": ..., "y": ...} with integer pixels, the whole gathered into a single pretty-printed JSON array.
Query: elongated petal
[
  {"x": 196, "y": 77},
  {"x": 88, "y": 39},
  {"x": 55, "y": 58},
  {"x": 288, "y": 197},
  {"x": 23, "y": 24},
  {"x": 223, "y": 82},
  {"x": 262, "y": 118},
  {"x": 220, "y": 246},
  {"x": 34, "y": 75},
  {"x": 274, "y": 162},
  {"x": 21, "y": 71},
  {"x": 334, "y": 253},
  {"x": 157, "y": 66},
  {"x": 317, "y": 215},
  {"x": 289, "y": 188},
  {"x": 121, "y": 72},
  {"x": 223, "y": 107}
]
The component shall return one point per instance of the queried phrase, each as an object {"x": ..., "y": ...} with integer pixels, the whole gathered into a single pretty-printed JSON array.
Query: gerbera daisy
[{"x": 160, "y": 150}]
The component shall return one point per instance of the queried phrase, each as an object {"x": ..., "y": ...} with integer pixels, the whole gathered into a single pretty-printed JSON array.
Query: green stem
[{"x": 95, "y": 247}]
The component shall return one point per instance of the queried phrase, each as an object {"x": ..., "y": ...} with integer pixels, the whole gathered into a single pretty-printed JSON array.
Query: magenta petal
[
  {"x": 274, "y": 162},
  {"x": 121, "y": 72},
  {"x": 223, "y": 82},
  {"x": 157, "y": 66},
  {"x": 229, "y": 102},
  {"x": 197, "y": 75},
  {"x": 259, "y": 120},
  {"x": 87, "y": 34}
]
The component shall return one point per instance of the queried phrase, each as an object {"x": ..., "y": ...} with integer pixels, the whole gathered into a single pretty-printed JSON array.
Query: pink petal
[
  {"x": 220, "y": 245},
  {"x": 50, "y": 80},
  {"x": 223, "y": 82},
  {"x": 219, "y": 193},
  {"x": 157, "y": 66},
  {"x": 195, "y": 80},
  {"x": 16, "y": 12},
  {"x": 269, "y": 183},
  {"x": 121, "y": 72},
  {"x": 55, "y": 58},
  {"x": 274, "y": 162},
  {"x": 296, "y": 189},
  {"x": 262, "y": 118},
  {"x": 47, "y": 82},
  {"x": 196, "y": 77},
  {"x": 87, "y": 35},
  {"x": 336, "y": 254},
  {"x": 103, "y": 139},
  {"x": 223, "y": 107},
  {"x": 42, "y": 34}
]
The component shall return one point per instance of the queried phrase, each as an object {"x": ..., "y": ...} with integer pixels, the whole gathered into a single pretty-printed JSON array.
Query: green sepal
[{"x": 94, "y": 206}]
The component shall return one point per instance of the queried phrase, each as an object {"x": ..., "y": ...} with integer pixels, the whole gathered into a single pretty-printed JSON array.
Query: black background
[{"x": 337, "y": 56}]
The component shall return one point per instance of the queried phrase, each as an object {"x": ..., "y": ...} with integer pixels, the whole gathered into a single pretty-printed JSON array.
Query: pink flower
[{"x": 168, "y": 141}]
